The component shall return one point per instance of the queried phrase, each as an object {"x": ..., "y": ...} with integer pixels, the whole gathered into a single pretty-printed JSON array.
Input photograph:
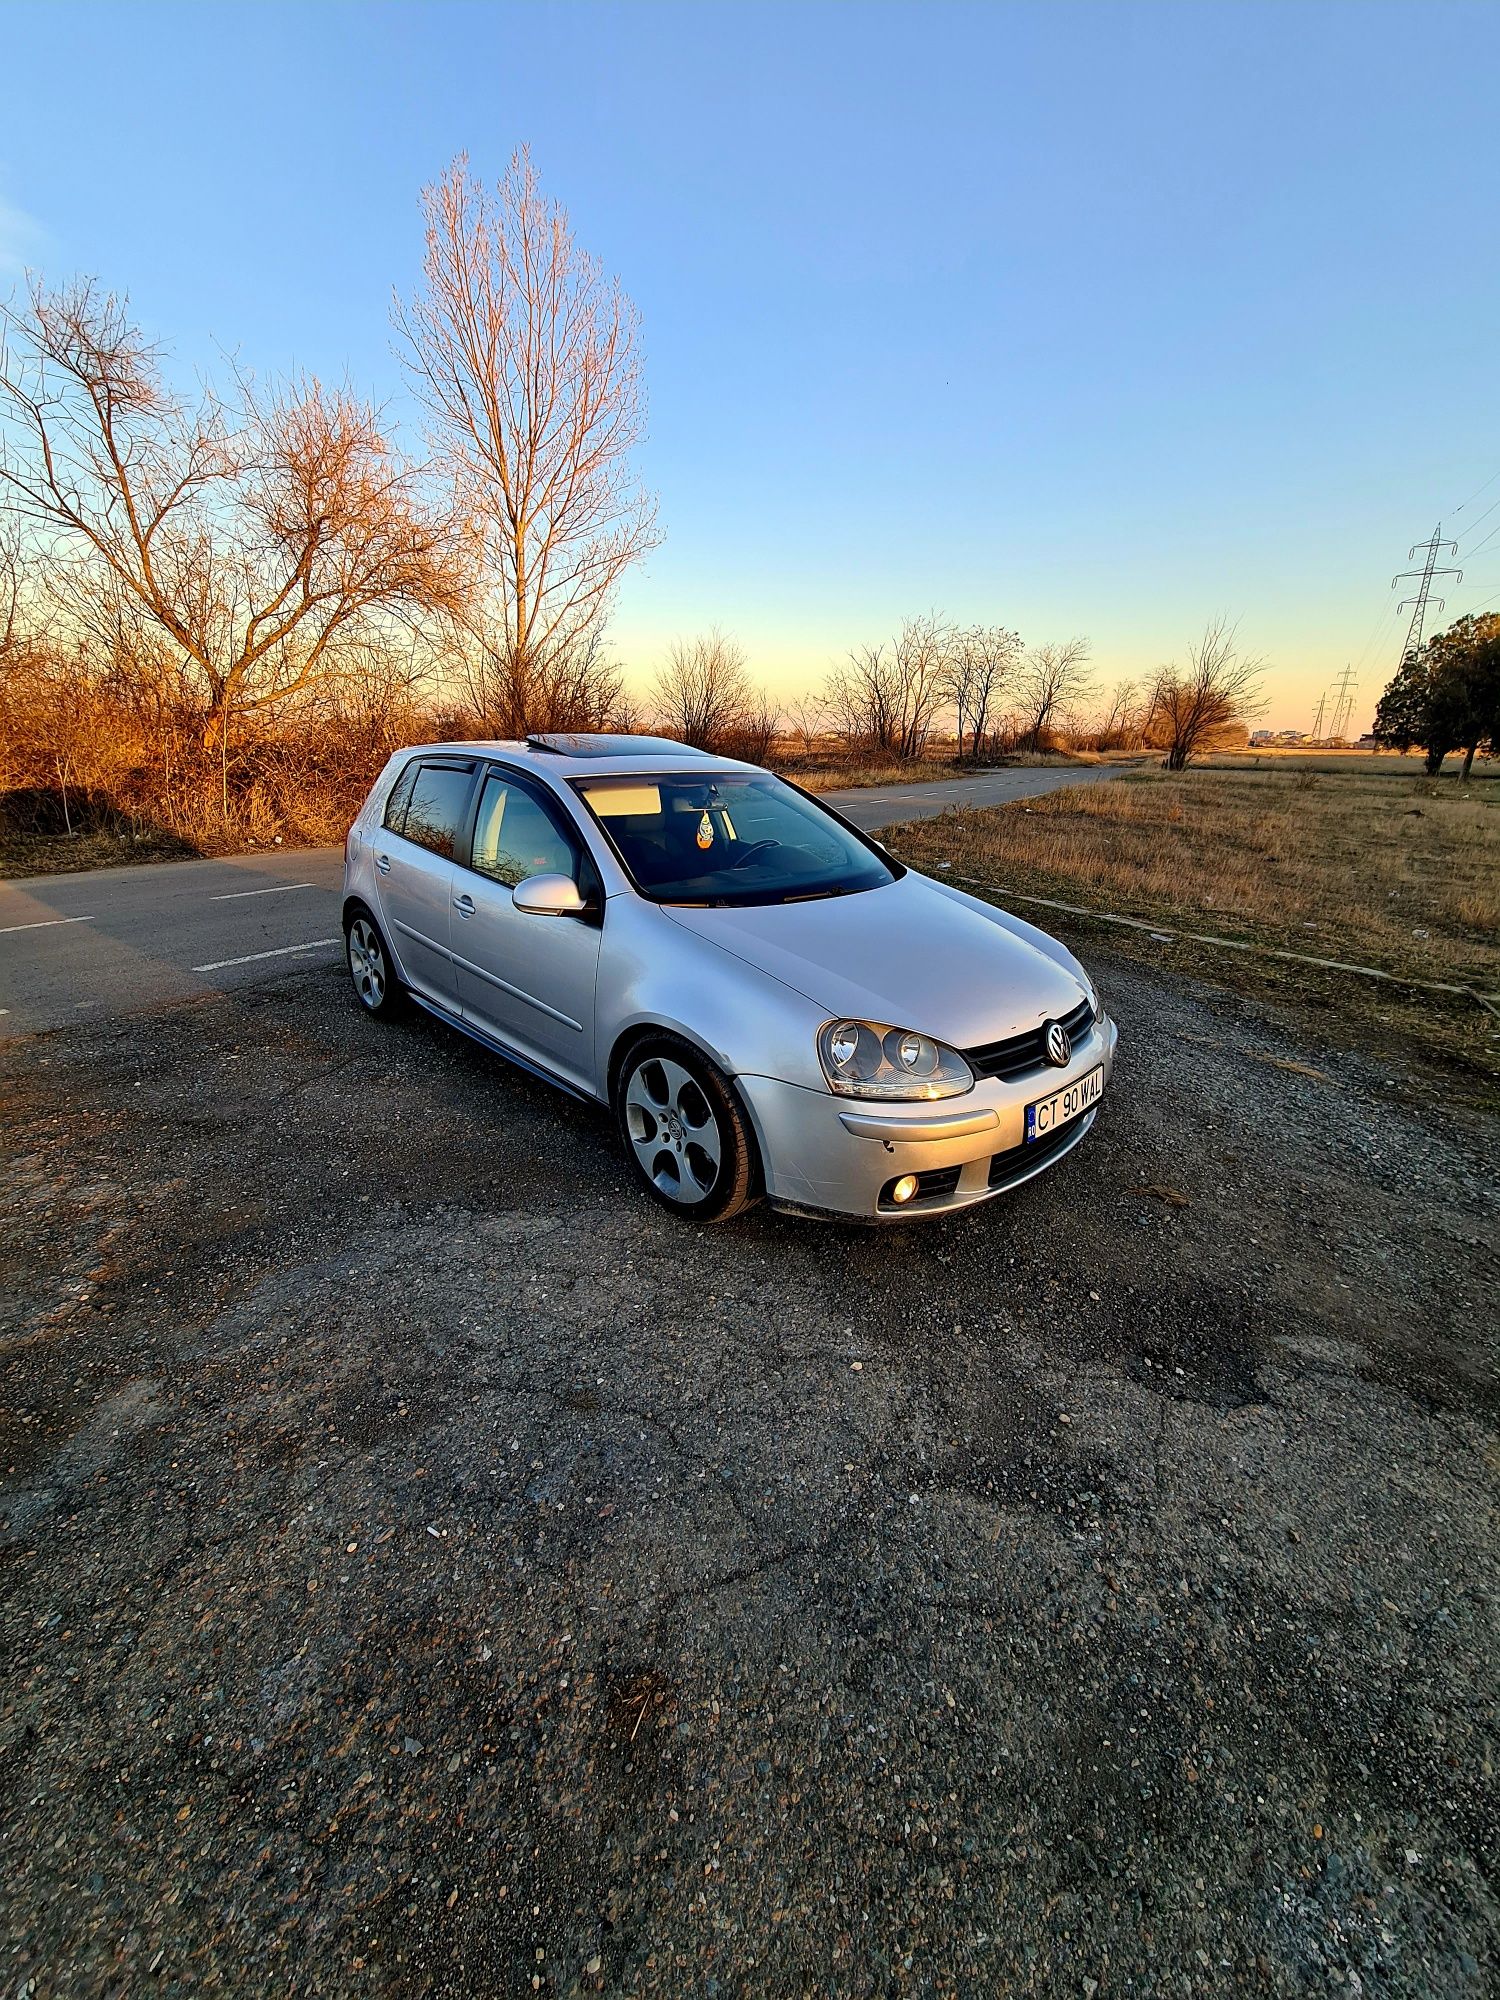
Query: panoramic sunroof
[{"x": 612, "y": 746}]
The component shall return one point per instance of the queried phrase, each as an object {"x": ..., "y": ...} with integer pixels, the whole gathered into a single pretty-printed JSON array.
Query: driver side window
[{"x": 516, "y": 837}]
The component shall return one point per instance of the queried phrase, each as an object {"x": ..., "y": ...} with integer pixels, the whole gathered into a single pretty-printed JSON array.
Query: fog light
[{"x": 905, "y": 1188}]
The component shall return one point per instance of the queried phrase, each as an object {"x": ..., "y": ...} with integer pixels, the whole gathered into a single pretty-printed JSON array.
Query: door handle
[
  {"x": 464, "y": 905},
  {"x": 383, "y": 863}
]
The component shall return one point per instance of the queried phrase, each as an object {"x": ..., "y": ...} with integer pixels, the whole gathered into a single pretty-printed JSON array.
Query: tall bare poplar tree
[{"x": 525, "y": 358}]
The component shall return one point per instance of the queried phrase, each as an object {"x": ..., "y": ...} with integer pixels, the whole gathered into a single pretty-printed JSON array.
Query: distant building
[{"x": 1278, "y": 739}]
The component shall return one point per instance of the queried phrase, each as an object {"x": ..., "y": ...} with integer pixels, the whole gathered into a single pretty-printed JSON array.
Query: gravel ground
[{"x": 426, "y": 1568}]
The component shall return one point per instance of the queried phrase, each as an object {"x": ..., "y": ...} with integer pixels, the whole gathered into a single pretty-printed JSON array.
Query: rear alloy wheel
[
  {"x": 685, "y": 1132},
  {"x": 375, "y": 984}
]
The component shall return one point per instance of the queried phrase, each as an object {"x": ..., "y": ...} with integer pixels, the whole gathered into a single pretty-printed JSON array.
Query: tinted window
[
  {"x": 435, "y": 816},
  {"x": 730, "y": 839},
  {"x": 515, "y": 836},
  {"x": 400, "y": 799}
]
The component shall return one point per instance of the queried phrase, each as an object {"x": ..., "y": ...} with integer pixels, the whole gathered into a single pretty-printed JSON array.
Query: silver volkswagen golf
[{"x": 767, "y": 1000}]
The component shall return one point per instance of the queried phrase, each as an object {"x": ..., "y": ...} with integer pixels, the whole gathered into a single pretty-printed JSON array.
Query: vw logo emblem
[{"x": 1059, "y": 1048}]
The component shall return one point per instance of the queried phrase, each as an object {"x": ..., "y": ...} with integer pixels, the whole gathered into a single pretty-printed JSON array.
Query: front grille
[
  {"x": 1019, "y": 1055},
  {"x": 1024, "y": 1159}
]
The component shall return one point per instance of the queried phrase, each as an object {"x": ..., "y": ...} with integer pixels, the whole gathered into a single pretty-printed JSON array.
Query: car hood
[{"x": 914, "y": 953}]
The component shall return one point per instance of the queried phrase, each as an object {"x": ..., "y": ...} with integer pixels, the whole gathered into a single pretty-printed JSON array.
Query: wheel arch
[
  {"x": 631, "y": 1036},
  {"x": 355, "y": 905}
]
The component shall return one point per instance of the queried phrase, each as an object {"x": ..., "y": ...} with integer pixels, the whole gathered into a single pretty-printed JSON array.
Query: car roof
[{"x": 588, "y": 756}]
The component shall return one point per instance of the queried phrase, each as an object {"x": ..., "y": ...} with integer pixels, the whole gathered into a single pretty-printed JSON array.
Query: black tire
[
  {"x": 700, "y": 1159},
  {"x": 371, "y": 968}
]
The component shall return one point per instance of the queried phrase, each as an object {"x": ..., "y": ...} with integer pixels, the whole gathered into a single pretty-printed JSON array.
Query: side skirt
[{"x": 496, "y": 1048}]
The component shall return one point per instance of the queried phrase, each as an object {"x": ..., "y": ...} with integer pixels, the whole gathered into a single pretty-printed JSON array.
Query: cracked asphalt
[{"x": 425, "y": 1568}]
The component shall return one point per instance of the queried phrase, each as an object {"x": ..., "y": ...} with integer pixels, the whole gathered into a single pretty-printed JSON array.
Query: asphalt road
[
  {"x": 97, "y": 945},
  {"x": 427, "y": 1568}
]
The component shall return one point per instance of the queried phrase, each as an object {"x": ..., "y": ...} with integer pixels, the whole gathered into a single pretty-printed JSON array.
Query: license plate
[{"x": 1063, "y": 1106}]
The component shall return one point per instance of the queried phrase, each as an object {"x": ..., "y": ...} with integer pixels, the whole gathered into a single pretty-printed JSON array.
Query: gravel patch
[{"x": 425, "y": 1568}]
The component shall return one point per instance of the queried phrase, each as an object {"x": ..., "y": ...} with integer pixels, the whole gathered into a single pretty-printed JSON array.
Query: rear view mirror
[{"x": 548, "y": 896}]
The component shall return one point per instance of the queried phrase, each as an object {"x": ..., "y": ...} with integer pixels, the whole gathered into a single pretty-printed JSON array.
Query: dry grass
[
  {"x": 830, "y": 768},
  {"x": 25, "y": 854},
  {"x": 1404, "y": 877},
  {"x": 831, "y": 775},
  {"x": 1345, "y": 763}
]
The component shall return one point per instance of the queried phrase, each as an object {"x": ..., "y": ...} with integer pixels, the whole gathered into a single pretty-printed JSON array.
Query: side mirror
[{"x": 548, "y": 896}]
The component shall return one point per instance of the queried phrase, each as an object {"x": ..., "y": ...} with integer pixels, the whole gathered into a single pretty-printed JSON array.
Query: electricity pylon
[
  {"x": 1427, "y": 572},
  {"x": 1343, "y": 703}
]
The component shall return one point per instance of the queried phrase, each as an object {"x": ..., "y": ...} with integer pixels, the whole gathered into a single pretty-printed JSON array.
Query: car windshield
[{"x": 727, "y": 838}]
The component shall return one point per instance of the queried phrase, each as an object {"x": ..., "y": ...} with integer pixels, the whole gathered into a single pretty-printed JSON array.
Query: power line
[
  {"x": 1378, "y": 631},
  {"x": 1471, "y": 553},
  {"x": 1477, "y": 491},
  {"x": 1481, "y": 517}
]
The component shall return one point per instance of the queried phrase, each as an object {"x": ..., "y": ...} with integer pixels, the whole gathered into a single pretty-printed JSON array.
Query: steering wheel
[{"x": 749, "y": 854}]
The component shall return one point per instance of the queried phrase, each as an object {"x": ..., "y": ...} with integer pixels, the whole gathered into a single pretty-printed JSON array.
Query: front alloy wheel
[{"x": 685, "y": 1132}]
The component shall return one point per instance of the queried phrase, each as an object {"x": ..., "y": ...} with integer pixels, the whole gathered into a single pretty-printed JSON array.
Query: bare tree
[
  {"x": 808, "y": 717},
  {"x": 1122, "y": 720},
  {"x": 980, "y": 665},
  {"x": 255, "y": 540},
  {"x": 756, "y": 736},
  {"x": 703, "y": 693},
  {"x": 525, "y": 358},
  {"x": 1051, "y": 680},
  {"x": 1215, "y": 690},
  {"x": 573, "y": 685},
  {"x": 1121, "y": 714},
  {"x": 10, "y": 592},
  {"x": 888, "y": 697},
  {"x": 858, "y": 696}
]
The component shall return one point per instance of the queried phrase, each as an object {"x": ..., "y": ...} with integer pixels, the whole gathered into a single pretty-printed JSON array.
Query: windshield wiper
[
  {"x": 816, "y": 895},
  {"x": 753, "y": 899}
]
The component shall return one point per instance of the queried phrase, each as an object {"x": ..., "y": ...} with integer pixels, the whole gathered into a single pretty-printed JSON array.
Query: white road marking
[
  {"x": 44, "y": 923},
  {"x": 250, "y": 957},
  {"x": 280, "y": 889}
]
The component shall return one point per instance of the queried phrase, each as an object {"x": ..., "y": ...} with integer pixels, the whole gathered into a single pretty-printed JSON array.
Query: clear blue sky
[{"x": 1080, "y": 318}]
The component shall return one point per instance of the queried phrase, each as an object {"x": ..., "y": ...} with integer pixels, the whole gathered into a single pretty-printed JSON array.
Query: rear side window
[
  {"x": 435, "y": 812},
  {"x": 400, "y": 799}
]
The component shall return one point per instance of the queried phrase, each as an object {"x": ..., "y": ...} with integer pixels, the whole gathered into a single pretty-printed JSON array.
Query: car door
[
  {"x": 425, "y": 821},
  {"x": 527, "y": 980}
]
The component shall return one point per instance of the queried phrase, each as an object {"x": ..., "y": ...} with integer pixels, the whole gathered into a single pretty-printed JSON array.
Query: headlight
[{"x": 870, "y": 1059}]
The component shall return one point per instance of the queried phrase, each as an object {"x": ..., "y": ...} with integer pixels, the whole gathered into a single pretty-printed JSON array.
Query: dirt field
[{"x": 426, "y": 1569}]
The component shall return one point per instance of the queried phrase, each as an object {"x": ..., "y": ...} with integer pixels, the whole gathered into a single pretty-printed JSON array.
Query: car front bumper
[{"x": 836, "y": 1155}]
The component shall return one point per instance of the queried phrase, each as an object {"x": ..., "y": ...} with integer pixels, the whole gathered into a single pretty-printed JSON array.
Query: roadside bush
[{"x": 85, "y": 752}]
